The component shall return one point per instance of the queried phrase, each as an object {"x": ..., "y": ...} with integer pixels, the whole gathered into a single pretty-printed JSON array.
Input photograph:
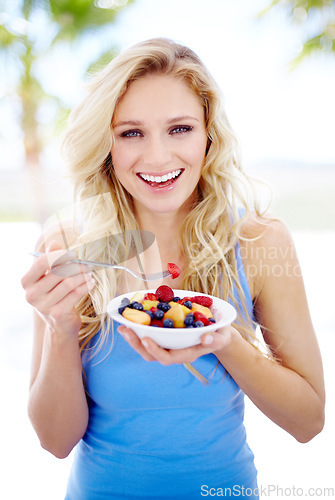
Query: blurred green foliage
[
  {"x": 24, "y": 46},
  {"x": 316, "y": 18}
]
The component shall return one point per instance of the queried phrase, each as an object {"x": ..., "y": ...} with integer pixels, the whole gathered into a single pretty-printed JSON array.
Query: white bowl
[{"x": 175, "y": 338}]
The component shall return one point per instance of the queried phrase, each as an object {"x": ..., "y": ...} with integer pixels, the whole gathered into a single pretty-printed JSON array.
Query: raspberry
[
  {"x": 150, "y": 296},
  {"x": 164, "y": 293},
  {"x": 198, "y": 316},
  {"x": 184, "y": 299},
  {"x": 156, "y": 322},
  {"x": 202, "y": 300},
  {"x": 174, "y": 270}
]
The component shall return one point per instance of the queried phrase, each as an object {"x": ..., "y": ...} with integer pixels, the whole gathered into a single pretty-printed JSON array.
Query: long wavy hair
[{"x": 211, "y": 230}]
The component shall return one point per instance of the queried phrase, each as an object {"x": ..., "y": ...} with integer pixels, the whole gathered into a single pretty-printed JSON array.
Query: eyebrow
[
  {"x": 132, "y": 123},
  {"x": 136, "y": 123},
  {"x": 181, "y": 118}
]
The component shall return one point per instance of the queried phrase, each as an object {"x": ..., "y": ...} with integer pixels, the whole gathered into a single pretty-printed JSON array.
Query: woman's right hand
[{"x": 54, "y": 295}]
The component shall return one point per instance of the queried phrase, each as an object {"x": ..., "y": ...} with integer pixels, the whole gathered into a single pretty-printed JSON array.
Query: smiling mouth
[{"x": 161, "y": 180}]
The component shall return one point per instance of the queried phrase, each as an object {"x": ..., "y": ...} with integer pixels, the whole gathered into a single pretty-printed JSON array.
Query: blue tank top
[{"x": 156, "y": 432}]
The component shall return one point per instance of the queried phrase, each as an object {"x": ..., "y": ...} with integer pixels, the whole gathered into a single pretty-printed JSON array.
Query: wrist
[
  {"x": 68, "y": 327},
  {"x": 233, "y": 341},
  {"x": 60, "y": 336}
]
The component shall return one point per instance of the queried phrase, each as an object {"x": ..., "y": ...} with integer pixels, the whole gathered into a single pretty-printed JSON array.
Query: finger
[
  {"x": 40, "y": 267},
  {"x": 67, "y": 289},
  {"x": 45, "y": 283},
  {"x": 130, "y": 336},
  {"x": 70, "y": 300},
  {"x": 70, "y": 269},
  {"x": 60, "y": 261},
  {"x": 173, "y": 356},
  {"x": 210, "y": 343}
]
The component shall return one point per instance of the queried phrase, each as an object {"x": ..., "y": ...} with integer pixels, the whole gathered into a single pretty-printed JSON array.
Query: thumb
[
  {"x": 55, "y": 253},
  {"x": 53, "y": 246},
  {"x": 217, "y": 340}
]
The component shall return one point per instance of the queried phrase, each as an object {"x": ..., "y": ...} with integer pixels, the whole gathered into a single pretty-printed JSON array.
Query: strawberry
[
  {"x": 164, "y": 293},
  {"x": 198, "y": 316},
  {"x": 202, "y": 300},
  {"x": 150, "y": 296},
  {"x": 174, "y": 270}
]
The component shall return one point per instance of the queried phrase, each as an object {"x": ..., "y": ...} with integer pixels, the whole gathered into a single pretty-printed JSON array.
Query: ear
[
  {"x": 209, "y": 142},
  {"x": 107, "y": 165},
  {"x": 108, "y": 161}
]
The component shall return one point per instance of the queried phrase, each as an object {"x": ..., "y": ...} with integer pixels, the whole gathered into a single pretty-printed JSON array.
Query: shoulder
[
  {"x": 267, "y": 249},
  {"x": 266, "y": 229}
]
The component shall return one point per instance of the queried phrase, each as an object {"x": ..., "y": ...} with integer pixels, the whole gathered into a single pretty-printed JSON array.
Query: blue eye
[
  {"x": 181, "y": 129},
  {"x": 131, "y": 133}
]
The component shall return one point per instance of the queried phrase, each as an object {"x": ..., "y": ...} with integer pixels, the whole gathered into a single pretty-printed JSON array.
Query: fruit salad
[{"x": 162, "y": 309}]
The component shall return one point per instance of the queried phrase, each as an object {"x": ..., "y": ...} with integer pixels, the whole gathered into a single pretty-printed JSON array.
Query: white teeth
[{"x": 158, "y": 178}]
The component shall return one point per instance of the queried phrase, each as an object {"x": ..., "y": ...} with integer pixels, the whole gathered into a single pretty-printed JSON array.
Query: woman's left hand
[{"x": 151, "y": 351}]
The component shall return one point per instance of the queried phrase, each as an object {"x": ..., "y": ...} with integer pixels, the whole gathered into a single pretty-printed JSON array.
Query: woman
[{"x": 150, "y": 149}]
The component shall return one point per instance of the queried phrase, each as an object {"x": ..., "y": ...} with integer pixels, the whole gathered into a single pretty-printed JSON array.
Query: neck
[{"x": 166, "y": 228}]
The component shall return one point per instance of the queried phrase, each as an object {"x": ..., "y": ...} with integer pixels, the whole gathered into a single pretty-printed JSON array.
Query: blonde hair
[{"x": 211, "y": 230}]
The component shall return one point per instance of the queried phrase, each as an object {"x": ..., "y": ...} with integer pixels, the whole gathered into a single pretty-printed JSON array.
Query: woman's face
[{"x": 160, "y": 143}]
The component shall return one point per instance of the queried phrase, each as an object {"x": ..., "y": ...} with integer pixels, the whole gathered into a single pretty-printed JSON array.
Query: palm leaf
[
  {"x": 101, "y": 62},
  {"x": 75, "y": 17},
  {"x": 7, "y": 38}
]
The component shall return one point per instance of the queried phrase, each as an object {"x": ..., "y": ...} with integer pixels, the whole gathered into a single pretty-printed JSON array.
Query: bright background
[{"x": 285, "y": 123}]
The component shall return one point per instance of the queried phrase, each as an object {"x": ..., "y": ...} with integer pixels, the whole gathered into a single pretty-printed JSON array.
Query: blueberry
[
  {"x": 168, "y": 323},
  {"x": 188, "y": 304},
  {"x": 125, "y": 302},
  {"x": 121, "y": 309},
  {"x": 211, "y": 320},
  {"x": 158, "y": 314},
  {"x": 163, "y": 306},
  {"x": 175, "y": 299},
  {"x": 151, "y": 314},
  {"x": 137, "y": 305},
  {"x": 198, "y": 324},
  {"x": 189, "y": 319}
]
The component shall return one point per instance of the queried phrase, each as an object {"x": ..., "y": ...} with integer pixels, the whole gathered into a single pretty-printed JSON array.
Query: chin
[{"x": 165, "y": 208}]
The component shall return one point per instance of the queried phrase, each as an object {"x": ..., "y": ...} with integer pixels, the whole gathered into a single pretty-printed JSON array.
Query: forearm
[
  {"x": 279, "y": 392},
  {"x": 57, "y": 403}
]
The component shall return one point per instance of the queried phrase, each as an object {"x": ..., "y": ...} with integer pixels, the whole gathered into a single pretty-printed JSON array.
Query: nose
[{"x": 156, "y": 152}]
